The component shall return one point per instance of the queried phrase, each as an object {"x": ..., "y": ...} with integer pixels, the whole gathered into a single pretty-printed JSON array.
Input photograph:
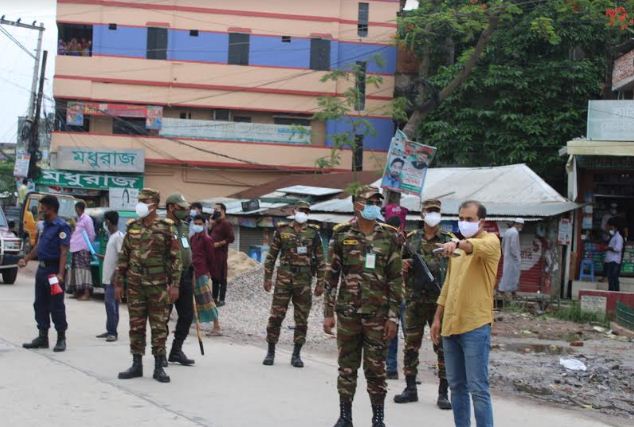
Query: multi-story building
[{"x": 219, "y": 95}]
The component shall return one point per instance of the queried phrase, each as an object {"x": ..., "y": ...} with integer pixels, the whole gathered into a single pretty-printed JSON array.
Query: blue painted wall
[
  {"x": 124, "y": 41},
  {"x": 380, "y": 141},
  {"x": 263, "y": 50},
  {"x": 207, "y": 47}
]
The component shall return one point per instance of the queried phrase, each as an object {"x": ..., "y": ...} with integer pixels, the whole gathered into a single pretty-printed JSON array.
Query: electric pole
[{"x": 34, "y": 145}]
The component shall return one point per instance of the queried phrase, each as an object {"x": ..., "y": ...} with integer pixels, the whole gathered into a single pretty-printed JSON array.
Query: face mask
[
  {"x": 612, "y": 232},
  {"x": 105, "y": 227},
  {"x": 301, "y": 217},
  {"x": 468, "y": 229},
  {"x": 613, "y": 211},
  {"x": 193, "y": 213},
  {"x": 197, "y": 228},
  {"x": 180, "y": 214},
  {"x": 370, "y": 212},
  {"x": 142, "y": 209},
  {"x": 216, "y": 215},
  {"x": 432, "y": 218}
]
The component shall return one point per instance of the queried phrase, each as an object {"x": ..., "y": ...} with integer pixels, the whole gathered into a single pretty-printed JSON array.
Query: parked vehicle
[
  {"x": 10, "y": 251},
  {"x": 29, "y": 214}
]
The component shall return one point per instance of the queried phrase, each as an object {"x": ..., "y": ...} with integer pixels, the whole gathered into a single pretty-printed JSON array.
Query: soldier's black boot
[
  {"x": 135, "y": 371},
  {"x": 345, "y": 414},
  {"x": 40, "y": 342},
  {"x": 377, "y": 416},
  {"x": 410, "y": 394},
  {"x": 443, "y": 395},
  {"x": 60, "y": 345},
  {"x": 177, "y": 355},
  {"x": 296, "y": 360},
  {"x": 270, "y": 355},
  {"x": 159, "y": 372}
]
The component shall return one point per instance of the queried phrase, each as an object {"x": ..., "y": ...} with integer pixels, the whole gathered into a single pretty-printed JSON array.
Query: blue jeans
[
  {"x": 112, "y": 310},
  {"x": 391, "y": 363},
  {"x": 467, "y": 362}
]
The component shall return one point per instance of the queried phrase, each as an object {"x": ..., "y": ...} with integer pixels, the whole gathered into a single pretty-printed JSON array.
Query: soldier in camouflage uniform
[
  {"x": 301, "y": 257},
  {"x": 420, "y": 304},
  {"x": 365, "y": 256},
  {"x": 150, "y": 264}
]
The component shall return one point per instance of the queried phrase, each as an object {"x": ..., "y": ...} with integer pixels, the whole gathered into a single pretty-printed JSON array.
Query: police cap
[{"x": 431, "y": 204}]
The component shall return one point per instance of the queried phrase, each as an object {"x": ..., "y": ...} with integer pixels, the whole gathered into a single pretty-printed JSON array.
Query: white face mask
[
  {"x": 432, "y": 218},
  {"x": 142, "y": 209},
  {"x": 193, "y": 213},
  {"x": 105, "y": 227},
  {"x": 612, "y": 232},
  {"x": 468, "y": 229},
  {"x": 197, "y": 228},
  {"x": 301, "y": 217}
]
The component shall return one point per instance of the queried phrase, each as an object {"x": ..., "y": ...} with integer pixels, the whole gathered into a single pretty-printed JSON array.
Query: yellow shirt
[{"x": 467, "y": 294}]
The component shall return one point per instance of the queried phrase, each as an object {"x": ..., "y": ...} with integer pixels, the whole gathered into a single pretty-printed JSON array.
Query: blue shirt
[{"x": 56, "y": 234}]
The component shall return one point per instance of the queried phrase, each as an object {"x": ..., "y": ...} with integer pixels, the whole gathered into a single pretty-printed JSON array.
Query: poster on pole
[
  {"x": 21, "y": 167},
  {"x": 407, "y": 164}
]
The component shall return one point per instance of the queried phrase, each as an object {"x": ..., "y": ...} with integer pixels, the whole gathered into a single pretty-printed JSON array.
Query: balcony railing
[{"x": 235, "y": 131}]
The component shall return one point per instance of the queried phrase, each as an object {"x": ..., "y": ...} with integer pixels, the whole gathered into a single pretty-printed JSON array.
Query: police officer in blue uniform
[{"x": 51, "y": 250}]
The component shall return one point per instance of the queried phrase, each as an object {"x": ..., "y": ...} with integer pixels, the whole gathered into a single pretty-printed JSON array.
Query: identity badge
[
  {"x": 185, "y": 242},
  {"x": 302, "y": 250},
  {"x": 370, "y": 261}
]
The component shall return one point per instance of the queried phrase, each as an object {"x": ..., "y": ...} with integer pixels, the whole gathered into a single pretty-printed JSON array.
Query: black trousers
[
  {"x": 184, "y": 305},
  {"x": 613, "y": 272},
  {"x": 219, "y": 289},
  {"x": 47, "y": 306}
]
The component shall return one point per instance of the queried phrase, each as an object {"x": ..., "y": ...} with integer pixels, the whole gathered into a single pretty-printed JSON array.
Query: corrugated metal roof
[
  {"x": 508, "y": 191},
  {"x": 309, "y": 190}
]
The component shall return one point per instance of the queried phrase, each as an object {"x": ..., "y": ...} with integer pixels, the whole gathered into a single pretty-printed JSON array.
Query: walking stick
[{"x": 200, "y": 340}]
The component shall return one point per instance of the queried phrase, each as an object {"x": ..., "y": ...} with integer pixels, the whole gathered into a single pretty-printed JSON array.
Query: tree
[{"x": 503, "y": 83}]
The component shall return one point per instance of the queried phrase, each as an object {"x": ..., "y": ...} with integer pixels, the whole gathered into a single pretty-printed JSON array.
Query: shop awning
[{"x": 584, "y": 147}]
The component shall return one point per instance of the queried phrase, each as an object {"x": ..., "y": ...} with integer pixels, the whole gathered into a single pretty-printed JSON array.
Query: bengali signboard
[
  {"x": 594, "y": 304},
  {"x": 611, "y": 120},
  {"x": 124, "y": 199},
  {"x": 407, "y": 164},
  {"x": 100, "y": 160},
  {"x": 235, "y": 131},
  {"x": 21, "y": 167},
  {"x": 57, "y": 178}
]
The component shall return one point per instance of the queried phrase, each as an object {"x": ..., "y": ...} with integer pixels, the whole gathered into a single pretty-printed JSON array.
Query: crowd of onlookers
[{"x": 75, "y": 47}]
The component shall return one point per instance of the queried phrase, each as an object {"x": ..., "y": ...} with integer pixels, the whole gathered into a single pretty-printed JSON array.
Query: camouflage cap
[
  {"x": 431, "y": 204},
  {"x": 177, "y": 199},
  {"x": 149, "y": 194},
  {"x": 366, "y": 193},
  {"x": 302, "y": 205}
]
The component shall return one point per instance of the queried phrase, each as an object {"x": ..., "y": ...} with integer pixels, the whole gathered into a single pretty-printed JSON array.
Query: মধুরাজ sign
[{"x": 100, "y": 160}]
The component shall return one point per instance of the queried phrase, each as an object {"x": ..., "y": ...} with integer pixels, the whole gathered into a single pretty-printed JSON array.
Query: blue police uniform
[{"x": 56, "y": 233}]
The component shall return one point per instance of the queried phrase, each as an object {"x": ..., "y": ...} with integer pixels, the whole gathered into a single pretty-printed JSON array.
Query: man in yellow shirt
[{"x": 465, "y": 310}]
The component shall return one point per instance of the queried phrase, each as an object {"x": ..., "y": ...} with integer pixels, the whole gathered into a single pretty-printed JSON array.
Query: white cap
[{"x": 519, "y": 221}]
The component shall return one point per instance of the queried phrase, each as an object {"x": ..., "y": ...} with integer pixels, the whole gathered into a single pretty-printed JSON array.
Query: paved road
[{"x": 228, "y": 387}]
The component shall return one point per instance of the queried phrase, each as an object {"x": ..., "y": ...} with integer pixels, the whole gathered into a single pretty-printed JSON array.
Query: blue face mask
[
  {"x": 371, "y": 212},
  {"x": 197, "y": 228}
]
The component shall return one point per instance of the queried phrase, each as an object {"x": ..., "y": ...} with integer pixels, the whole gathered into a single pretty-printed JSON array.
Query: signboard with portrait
[{"x": 407, "y": 165}]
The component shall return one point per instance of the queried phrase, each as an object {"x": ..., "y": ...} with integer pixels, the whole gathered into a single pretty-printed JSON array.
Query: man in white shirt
[
  {"x": 613, "y": 255},
  {"x": 113, "y": 248},
  {"x": 511, "y": 267}
]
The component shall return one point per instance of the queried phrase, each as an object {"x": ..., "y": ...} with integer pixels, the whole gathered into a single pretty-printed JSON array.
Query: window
[
  {"x": 360, "y": 85},
  {"x": 193, "y": 33},
  {"x": 156, "y": 43},
  {"x": 357, "y": 154},
  {"x": 222, "y": 115},
  {"x": 286, "y": 39},
  {"x": 291, "y": 121},
  {"x": 74, "y": 40},
  {"x": 364, "y": 14},
  {"x": 238, "y": 49},
  {"x": 112, "y": 27},
  {"x": 320, "y": 54},
  {"x": 186, "y": 115},
  {"x": 128, "y": 126},
  {"x": 242, "y": 119}
]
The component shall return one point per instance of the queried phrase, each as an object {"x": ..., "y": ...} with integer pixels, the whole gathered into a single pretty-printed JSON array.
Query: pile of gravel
[{"x": 245, "y": 315}]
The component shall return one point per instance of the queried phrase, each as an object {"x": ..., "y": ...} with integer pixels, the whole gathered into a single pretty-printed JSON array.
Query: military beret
[
  {"x": 431, "y": 203},
  {"x": 367, "y": 192},
  {"x": 149, "y": 194},
  {"x": 177, "y": 199}
]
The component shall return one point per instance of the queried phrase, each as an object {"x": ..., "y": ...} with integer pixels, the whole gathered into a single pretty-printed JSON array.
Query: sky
[{"x": 16, "y": 67}]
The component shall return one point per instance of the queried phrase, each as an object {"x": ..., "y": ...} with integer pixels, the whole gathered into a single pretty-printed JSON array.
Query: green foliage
[
  {"x": 574, "y": 313},
  {"x": 528, "y": 95},
  {"x": 7, "y": 180}
]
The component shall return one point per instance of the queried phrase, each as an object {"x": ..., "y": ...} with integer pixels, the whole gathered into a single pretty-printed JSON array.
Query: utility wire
[{"x": 16, "y": 41}]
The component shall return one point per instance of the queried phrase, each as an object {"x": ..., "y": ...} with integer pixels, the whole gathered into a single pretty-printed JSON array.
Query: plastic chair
[{"x": 586, "y": 270}]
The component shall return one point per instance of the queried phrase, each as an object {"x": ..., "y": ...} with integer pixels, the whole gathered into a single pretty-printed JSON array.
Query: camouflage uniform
[
  {"x": 420, "y": 306},
  {"x": 150, "y": 262},
  {"x": 368, "y": 297},
  {"x": 301, "y": 257}
]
